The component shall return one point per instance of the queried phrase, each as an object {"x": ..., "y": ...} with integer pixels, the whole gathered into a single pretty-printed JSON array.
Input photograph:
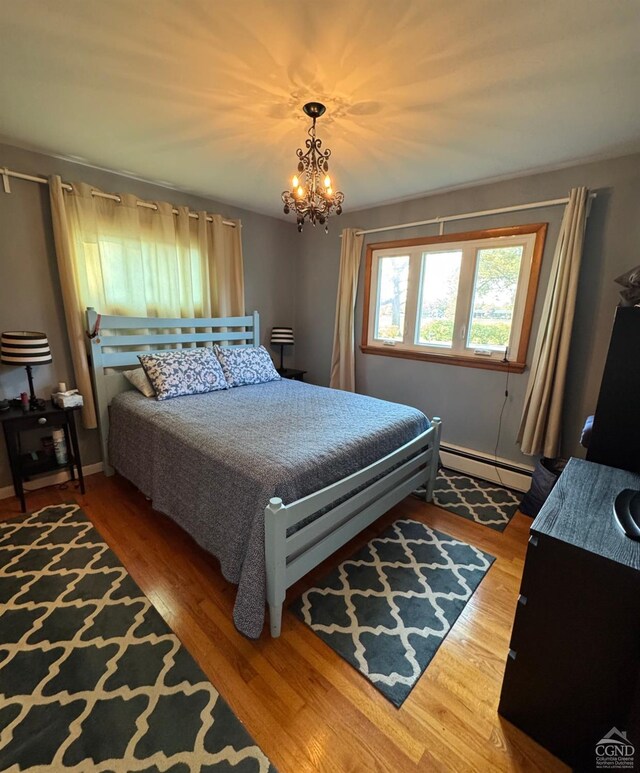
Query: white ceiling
[{"x": 421, "y": 94}]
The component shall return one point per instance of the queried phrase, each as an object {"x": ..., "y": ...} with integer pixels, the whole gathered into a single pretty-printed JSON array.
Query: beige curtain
[
  {"x": 343, "y": 374},
  {"x": 540, "y": 427},
  {"x": 124, "y": 259}
]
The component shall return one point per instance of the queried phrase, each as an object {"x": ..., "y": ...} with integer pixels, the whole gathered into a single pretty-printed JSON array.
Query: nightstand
[
  {"x": 24, "y": 465},
  {"x": 292, "y": 373}
]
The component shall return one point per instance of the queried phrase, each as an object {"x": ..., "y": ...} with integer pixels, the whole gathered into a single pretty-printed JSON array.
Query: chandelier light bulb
[{"x": 308, "y": 199}]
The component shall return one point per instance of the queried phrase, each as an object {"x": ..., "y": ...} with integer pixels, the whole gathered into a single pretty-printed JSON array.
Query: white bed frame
[{"x": 367, "y": 494}]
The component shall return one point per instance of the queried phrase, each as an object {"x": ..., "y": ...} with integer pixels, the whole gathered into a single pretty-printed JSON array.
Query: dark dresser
[{"x": 573, "y": 670}]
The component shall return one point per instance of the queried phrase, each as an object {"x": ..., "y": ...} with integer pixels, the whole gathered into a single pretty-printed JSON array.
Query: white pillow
[{"x": 140, "y": 381}]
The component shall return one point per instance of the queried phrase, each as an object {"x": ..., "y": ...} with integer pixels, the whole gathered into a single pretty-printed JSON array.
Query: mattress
[{"x": 211, "y": 462}]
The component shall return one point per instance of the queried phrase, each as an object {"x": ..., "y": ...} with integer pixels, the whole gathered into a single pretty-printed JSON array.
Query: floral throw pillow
[
  {"x": 183, "y": 372},
  {"x": 241, "y": 367}
]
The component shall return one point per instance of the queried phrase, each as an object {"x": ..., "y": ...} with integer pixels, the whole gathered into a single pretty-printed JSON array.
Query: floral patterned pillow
[
  {"x": 241, "y": 367},
  {"x": 183, "y": 372}
]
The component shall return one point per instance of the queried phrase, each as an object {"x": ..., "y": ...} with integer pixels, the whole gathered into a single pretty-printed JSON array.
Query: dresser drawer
[
  {"x": 532, "y": 608},
  {"x": 37, "y": 421}
]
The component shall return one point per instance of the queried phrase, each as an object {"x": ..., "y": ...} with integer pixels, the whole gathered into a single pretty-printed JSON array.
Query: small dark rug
[
  {"x": 486, "y": 503},
  {"x": 90, "y": 675},
  {"x": 389, "y": 607}
]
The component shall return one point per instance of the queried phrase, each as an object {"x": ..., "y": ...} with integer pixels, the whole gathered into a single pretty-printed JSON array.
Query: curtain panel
[
  {"x": 129, "y": 260},
  {"x": 541, "y": 424},
  {"x": 343, "y": 373}
]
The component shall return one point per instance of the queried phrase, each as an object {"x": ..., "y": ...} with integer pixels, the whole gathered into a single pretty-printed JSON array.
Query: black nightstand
[
  {"x": 24, "y": 466},
  {"x": 292, "y": 373}
]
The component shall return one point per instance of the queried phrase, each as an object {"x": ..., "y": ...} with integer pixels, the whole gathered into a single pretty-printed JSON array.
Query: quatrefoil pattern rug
[
  {"x": 486, "y": 503},
  {"x": 91, "y": 678},
  {"x": 388, "y": 608}
]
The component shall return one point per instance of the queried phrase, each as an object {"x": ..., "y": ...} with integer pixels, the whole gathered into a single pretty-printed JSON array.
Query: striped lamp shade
[
  {"x": 281, "y": 336},
  {"x": 24, "y": 347}
]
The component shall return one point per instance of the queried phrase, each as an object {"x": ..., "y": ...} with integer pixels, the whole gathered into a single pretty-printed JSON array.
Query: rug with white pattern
[
  {"x": 388, "y": 608},
  {"x": 477, "y": 500},
  {"x": 91, "y": 677}
]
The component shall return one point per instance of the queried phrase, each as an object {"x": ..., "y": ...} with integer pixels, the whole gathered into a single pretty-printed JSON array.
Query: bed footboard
[{"x": 371, "y": 492}]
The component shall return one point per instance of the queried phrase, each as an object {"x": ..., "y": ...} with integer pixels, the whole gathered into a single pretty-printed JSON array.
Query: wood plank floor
[{"x": 305, "y": 706}]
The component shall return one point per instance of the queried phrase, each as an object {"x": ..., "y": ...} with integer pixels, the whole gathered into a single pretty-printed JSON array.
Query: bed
[{"x": 270, "y": 478}]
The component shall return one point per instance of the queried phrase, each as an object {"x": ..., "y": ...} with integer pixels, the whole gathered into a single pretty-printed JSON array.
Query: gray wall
[
  {"x": 292, "y": 279},
  {"x": 29, "y": 287},
  {"x": 468, "y": 399}
]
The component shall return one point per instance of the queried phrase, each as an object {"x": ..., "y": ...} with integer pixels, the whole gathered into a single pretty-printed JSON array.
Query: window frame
[{"x": 526, "y": 294}]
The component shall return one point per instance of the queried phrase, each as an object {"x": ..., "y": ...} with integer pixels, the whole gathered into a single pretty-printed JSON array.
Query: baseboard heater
[{"x": 501, "y": 471}]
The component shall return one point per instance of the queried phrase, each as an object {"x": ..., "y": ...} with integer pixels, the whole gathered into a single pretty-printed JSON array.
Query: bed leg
[
  {"x": 275, "y": 561},
  {"x": 275, "y": 619},
  {"x": 107, "y": 469},
  {"x": 436, "y": 423}
]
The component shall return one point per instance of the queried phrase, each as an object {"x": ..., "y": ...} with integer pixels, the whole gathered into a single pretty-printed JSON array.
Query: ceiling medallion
[{"x": 311, "y": 196}]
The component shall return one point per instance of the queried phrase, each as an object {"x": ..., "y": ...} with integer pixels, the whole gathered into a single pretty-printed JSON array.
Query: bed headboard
[{"x": 115, "y": 342}]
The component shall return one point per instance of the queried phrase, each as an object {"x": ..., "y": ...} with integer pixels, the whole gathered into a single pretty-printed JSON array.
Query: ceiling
[{"x": 421, "y": 95}]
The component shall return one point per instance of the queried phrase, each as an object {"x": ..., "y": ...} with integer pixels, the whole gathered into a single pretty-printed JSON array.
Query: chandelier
[{"x": 311, "y": 195}]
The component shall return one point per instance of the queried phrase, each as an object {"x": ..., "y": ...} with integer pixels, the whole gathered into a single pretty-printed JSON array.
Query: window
[{"x": 463, "y": 299}]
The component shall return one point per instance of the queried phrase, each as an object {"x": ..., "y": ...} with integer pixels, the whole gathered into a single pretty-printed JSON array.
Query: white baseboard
[
  {"x": 51, "y": 480},
  {"x": 501, "y": 471}
]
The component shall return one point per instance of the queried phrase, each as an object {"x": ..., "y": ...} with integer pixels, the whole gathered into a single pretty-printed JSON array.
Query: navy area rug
[
  {"x": 388, "y": 608},
  {"x": 485, "y": 503},
  {"x": 91, "y": 677}
]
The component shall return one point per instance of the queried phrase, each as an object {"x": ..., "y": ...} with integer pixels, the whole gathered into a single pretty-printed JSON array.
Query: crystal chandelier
[{"x": 311, "y": 195}]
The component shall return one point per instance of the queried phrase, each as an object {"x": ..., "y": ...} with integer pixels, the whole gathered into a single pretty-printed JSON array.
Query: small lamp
[
  {"x": 282, "y": 336},
  {"x": 26, "y": 348}
]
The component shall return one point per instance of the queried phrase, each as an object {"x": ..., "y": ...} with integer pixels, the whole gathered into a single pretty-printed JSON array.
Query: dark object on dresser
[
  {"x": 573, "y": 671},
  {"x": 627, "y": 511},
  {"x": 615, "y": 439},
  {"x": 24, "y": 465},
  {"x": 292, "y": 373}
]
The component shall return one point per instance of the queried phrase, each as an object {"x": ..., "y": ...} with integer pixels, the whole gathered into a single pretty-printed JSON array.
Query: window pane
[
  {"x": 494, "y": 296},
  {"x": 439, "y": 293},
  {"x": 393, "y": 276}
]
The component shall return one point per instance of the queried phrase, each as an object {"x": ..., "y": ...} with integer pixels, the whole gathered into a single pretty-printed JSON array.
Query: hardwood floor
[{"x": 306, "y": 707}]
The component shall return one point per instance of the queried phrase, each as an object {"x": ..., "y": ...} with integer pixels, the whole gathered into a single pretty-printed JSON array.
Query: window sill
[{"x": 445, "y": 359}]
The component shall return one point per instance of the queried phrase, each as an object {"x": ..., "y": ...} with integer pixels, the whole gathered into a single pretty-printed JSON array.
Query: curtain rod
[
  {"x": 7, "y": 173},
  {"x": 469, "y": 215}
]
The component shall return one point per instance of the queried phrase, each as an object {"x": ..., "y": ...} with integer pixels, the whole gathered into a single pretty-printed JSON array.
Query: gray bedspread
[{"x": 211, "y": 462}]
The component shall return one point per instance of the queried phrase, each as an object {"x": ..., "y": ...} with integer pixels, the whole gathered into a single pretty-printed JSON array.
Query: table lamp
[
  {"x": 282, "y": 336},
  {"x": 27, "y": 348}
]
